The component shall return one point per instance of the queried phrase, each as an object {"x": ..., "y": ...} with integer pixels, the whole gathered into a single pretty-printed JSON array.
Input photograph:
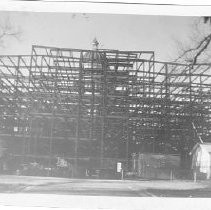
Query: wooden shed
[{"x": 201, "y": 159}]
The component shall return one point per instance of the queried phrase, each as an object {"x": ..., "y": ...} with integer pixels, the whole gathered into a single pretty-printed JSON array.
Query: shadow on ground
[
  {"x": 194, "y": 193},
  {"x": 126, "y": 188}
]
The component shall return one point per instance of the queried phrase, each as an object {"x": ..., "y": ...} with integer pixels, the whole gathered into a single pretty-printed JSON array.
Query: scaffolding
[{"x": 97, "y": 106}]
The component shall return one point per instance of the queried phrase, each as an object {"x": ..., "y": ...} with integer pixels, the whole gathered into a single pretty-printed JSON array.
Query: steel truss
[{"x": 100, "y": 105}]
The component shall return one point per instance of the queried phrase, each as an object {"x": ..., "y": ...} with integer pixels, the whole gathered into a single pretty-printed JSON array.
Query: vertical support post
[
  {"x": 103, "y": 117},
  {"x": 93, "y": 97},
  {"x": 127, "y": 144},
  {"x": 122, "y": 174},
  {"x": 51, "y": 144},
  {"x": 102, "y": 141},
  {"x": 55, "y": 103},
  {"x": 127, "y": 104},
  {"x": 194, "y": 176},
  {"x": 144, "y": 143},
  {"x": 190, "y": 97},
  {"x": 154, "y": 105},
  {"x": 29, "y": 97},
  {"x": 166, "y": 123},
  {"x": 78, "y": 126},
  {"x": 17, "y": 83},
  {"x": 171, "y": 174},
  {"x": 24, "y": 125},
  {"x": 190, "y": 84}
]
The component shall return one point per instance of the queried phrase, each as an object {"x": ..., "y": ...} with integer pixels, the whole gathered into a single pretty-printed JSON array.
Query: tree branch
[
  {"x": 207, "y": 42},
  {"x": 199, "y": 49},
  {"x": 7, "y": 30}
]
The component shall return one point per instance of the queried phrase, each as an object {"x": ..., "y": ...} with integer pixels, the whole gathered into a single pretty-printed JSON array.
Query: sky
[{"x": 122, "y": 32}]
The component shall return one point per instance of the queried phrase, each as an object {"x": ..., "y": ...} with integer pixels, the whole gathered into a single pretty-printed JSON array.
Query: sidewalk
[{"x": 61, "y": 202}]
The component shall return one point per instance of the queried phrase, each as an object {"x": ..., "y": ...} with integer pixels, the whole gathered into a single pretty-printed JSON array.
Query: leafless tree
[
  {"x": 82, "y": 15},
  {"x": 200, "y": 48},
  {"x": 8, "y": 30}
]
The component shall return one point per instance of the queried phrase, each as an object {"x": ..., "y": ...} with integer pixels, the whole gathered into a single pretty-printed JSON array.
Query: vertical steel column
[
  {"x": 200, "y": 100},
  {"x": 24, "y": 138},
  {"x": 103, "y": 115},
  {"x": 51, "y": 142},
  {"x": 78, "y": 126},
  {"x": 127, "y": 144},
  {"x": 127, "y": 104},
  {"x": 166, "y": 106},
  {"x": 54, "y": 108},
  {"x": 191, "y": 120},
  {"x": 154, "y": 105},
  {"x": 30, "y": 100},
  {"x": 190, "y": 84},
  {"x": 93, "y": 96}
]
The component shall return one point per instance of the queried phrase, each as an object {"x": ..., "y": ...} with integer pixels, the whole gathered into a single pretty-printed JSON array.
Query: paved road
[
  {"x": 94, "y": 187},
  {"x": 87, "y": 194},
  {"x": 62, "y": 186}
]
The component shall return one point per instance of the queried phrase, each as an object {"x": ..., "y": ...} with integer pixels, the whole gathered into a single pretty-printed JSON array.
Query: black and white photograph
[{"x": 104, "y": 110}]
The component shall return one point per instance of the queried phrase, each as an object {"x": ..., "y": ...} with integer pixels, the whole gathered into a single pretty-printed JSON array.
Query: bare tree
[
  {"x": 200, "y": 48},
  {"x": 83, "y": 15},
  {"x": 7, "y": 30}
]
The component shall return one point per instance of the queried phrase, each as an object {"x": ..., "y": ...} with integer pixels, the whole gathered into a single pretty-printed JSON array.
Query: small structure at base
[
  {"x": 155, "y": 166},
  {"x": 201, "y": 160}
]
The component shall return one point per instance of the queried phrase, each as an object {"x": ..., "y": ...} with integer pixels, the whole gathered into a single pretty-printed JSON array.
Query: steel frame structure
[{"x": 100, "y": 105}]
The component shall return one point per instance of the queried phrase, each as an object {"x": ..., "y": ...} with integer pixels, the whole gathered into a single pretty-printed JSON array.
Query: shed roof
[{"x": 205, "y": 146}]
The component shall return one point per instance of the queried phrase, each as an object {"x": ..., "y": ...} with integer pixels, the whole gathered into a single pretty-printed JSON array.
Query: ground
[{"x": 98, "y": 194}]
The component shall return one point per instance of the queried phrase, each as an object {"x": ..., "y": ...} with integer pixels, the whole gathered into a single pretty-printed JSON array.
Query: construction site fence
[
  {"x": 70, "y": 167},
  {"x": 151, "y": 173}
]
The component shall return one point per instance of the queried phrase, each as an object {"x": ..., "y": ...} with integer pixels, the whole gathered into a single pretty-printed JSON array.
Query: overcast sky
[{"x": 123, "y": 32}]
